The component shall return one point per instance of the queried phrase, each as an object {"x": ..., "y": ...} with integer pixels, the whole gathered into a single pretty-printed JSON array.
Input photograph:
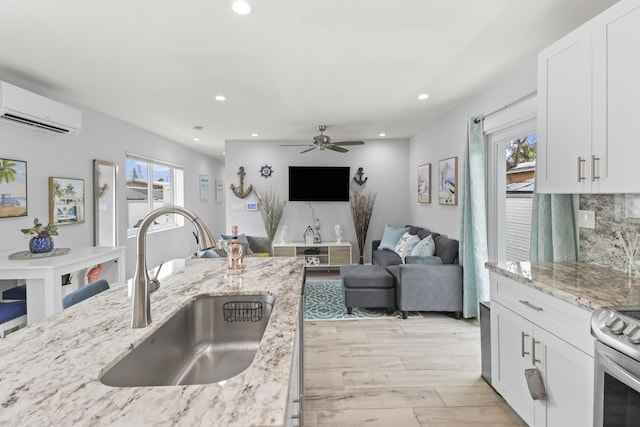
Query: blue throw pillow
[
  {"x": 391, "y": 236},
  {"x": 241, "y": 239},
  {"x": 207, "y": 254},
  {"x": 406, "y": 244}
]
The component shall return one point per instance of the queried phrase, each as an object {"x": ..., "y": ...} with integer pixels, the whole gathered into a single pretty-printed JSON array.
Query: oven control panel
[{"x": 618, "y": 328}]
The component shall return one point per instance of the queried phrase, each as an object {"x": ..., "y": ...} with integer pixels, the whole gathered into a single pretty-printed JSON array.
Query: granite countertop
[
  {"x": 586, "y": 285},
  {"x": 49, "y": 371}
]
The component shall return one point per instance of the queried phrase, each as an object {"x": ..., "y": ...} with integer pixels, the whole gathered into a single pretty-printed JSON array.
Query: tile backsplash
[{"x": 615, "y": 213}]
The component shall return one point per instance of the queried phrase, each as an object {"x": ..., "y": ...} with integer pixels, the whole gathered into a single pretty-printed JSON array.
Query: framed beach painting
[
  {"x": 448, "y": 181},
  {"x": 424, "y": 183},
  {"x": 66, "y": 200},
  {"x": 13, "y": 188},
  {"x": 204, "y": 187}
]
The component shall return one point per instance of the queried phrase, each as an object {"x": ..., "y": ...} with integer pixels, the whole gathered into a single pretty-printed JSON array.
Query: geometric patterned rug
[{"x": 324, "y": 301}]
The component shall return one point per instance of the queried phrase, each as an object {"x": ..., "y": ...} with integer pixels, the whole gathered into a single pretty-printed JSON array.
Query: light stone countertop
[
  {"x": 586, "y": 285},
  {"x": 49, "y": 371}
]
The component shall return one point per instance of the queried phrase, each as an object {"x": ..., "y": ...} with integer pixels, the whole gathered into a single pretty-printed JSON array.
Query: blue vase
[{"x": 41, "y": 245}]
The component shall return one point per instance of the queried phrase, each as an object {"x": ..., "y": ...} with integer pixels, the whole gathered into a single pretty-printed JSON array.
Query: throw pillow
[
  {"x": 391, "y": 236},
  {"x": 207, "y": 254},
  {"x": 429, "y": 260},
  {"x": 406, "y": 244},
  {"x": 425, "y": 247},
  {"x": 241, "y": 239}
]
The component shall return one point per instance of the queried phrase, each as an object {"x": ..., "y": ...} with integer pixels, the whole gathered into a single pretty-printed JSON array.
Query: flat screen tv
[{"x": 318, "y": 183}]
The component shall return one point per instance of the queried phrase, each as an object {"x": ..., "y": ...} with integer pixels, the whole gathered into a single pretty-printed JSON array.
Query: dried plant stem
[
  {"x": 271, "y": 209},
  {"x": 361, "y": 209}
]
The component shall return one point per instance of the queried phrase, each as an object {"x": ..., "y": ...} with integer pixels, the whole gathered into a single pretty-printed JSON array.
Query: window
[
  {"x": 511, "y": 179},
  {"x": 152, "y": 184}
]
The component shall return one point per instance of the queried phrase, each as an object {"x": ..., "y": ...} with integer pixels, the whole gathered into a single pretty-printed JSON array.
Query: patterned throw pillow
[
  {"x": 406, "y": 244},
  {"x": 426, "y": 247}
]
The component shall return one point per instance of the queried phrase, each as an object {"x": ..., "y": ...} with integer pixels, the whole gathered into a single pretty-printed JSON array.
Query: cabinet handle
[
  {"x": 593, "y": 168},
  {"x": 531, "y": 306},
  {"x": 580, "y": 162},
  {"x": 522, "y": 337},
  {"x": 533, "y": 351}
]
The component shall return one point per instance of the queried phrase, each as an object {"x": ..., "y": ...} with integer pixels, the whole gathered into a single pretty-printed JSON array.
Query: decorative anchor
[
  {"x": 359, "y": 179},
  {"x": 241, "y": 192}
]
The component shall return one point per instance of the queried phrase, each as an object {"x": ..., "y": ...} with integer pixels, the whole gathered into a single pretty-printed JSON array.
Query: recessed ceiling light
[
  {"x": 383, "y": 134},
  {"x": 224, "y": 153},
  {"x": 196, "y": 139},
  {"x": 241, "y": 7},
  {"x": 254, "y": 134},
  {"x": 220, "y": 98},
  {"x": 423, "y": 96}
]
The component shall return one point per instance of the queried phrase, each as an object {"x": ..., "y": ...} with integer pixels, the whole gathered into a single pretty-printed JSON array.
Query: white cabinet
[
  {"x": 294, "y": 416},
  {"x": 318, "y": 254},
  {"x": 530, "y": 329},
  {"x": 587, "y": 103}
]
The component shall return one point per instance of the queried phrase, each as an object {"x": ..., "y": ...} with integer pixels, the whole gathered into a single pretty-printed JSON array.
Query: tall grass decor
[
  {"x": 361, "y": 208},
  {"x": 271, "y": 208}
]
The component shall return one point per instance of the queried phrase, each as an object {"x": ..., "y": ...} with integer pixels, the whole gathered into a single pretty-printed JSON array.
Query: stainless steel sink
[{"x": 211, "y": 339}]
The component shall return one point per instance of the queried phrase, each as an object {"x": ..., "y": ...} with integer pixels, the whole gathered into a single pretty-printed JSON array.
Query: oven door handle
[{"x": 618, "y": 371}]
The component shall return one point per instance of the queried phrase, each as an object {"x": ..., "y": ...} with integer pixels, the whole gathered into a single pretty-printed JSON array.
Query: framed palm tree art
[
  {"x": 13, "y": 188},
  {"x": 66, "y": 200}
]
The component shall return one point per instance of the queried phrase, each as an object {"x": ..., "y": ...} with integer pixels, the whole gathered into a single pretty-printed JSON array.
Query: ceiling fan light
[
  {"x": 241, "y": 7},
  {"x": 423, "y": 96}
]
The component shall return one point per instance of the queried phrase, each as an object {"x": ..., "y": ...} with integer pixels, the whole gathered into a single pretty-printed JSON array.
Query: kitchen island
[{"x": 50, "y": 371}]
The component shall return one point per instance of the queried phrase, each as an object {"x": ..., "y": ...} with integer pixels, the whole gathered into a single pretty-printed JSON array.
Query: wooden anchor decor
[
  {"x": 359, "y": 179},
  {"x": 241, "y": 192}
]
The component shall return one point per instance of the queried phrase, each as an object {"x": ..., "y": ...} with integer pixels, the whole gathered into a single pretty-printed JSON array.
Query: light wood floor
[{"x": 395, "y": 372}]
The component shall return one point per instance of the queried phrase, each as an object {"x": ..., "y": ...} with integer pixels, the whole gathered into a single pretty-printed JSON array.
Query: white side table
[{"x": 42, "y": 275}]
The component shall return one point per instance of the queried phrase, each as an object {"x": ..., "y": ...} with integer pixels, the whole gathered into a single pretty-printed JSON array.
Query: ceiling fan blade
[
  {"x": 296, "y": 145},
  {"x": 308, "y": 149},
  {"x": 336, "y": 148},
  {"x": 348, "y": 143}
]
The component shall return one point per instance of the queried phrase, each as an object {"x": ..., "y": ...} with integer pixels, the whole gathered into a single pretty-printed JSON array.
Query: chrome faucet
[{"x": 140, "y": 300}]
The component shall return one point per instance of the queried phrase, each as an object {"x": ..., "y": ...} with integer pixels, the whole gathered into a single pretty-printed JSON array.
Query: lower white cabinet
[
  {"x": 519, "y": 343},
  {"x": 295, "y": 402}
]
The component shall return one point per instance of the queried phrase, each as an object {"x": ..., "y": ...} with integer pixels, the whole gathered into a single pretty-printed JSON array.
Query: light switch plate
[{"x": 587, "y": 219}]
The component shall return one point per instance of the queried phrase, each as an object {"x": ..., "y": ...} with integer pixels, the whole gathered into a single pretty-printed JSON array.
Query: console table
[
  {"x": 330, "y": 254},
  {"x": 42, "y": 275}
]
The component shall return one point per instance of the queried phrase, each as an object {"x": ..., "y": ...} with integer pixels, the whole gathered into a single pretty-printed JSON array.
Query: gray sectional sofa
[{"x": 425, "y": 284}]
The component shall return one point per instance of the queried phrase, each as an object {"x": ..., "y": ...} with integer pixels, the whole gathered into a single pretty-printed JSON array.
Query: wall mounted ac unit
[{"x": 22, "y": 107}]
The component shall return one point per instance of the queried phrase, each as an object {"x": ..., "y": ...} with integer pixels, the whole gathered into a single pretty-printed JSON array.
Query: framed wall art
[
  {"x": 66, "y": 200},
  {"x": 204, "y": 187},
  {"x": 424, "y": 183},
  {"x": 13, "y": 188},
  {"x": 448, "y": 181},
  {"x": 219, "y": 191}
]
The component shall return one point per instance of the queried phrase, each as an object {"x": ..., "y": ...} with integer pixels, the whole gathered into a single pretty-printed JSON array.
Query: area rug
[{"x": 324, "y": 301}]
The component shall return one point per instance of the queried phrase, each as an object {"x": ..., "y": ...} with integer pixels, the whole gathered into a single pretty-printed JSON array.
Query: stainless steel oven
[{"x": 617, "y": 366}]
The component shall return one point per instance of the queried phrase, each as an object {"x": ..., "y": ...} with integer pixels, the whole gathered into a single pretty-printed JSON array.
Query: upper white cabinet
[{"x": 588, "y": 91}]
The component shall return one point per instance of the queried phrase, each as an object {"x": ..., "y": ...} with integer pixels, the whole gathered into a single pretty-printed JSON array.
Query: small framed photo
[
  {"x": 424, "y": 183},
  {"x": 219, "y": 191},
  {"x": 13, "y": 188},
  {"x": 66, "y": 200},
  {"x": 204, "y": 187},
  {"x": 448, "y": 181}
]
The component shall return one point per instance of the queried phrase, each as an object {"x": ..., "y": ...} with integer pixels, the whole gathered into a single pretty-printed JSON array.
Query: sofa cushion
[
  {"x": 447, "y": 249},
  {"x": 406, "y": 243},
  {"x": 391, "y": 236},
  {"x": 428, "y": 260},
  {"x": 425, "y": 247},
  {"x": 384, "y": 258},
  {"x": 365, "y": 276}
]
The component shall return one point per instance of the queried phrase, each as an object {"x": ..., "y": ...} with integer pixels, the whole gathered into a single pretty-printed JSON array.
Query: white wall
[
  {"x": 108, "y": 139},
  {"x": 444, "y": 138},
  {"x": 384, "y": 163}
]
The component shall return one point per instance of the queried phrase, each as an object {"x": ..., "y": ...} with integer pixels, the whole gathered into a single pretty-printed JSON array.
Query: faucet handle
[{"x": 154, "y": 283}]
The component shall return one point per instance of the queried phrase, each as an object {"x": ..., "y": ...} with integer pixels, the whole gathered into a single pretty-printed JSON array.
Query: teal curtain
[
  {"x": 553, "y": 228},
  {"x": 473, "y": 233}
]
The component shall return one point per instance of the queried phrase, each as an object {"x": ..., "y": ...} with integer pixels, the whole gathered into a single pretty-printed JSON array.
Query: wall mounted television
[{"x": 319, "y": 183}]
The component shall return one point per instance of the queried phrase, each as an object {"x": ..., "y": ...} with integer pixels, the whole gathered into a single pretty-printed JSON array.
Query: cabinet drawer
[
  {"x": 339, "y": 255},
  {"x": 565, "y": 320},
  {"x": 284, "y": 251}
]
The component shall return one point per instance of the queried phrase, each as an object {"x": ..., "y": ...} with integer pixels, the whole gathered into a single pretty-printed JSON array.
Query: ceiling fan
[{"x": 323, "y": 142}]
